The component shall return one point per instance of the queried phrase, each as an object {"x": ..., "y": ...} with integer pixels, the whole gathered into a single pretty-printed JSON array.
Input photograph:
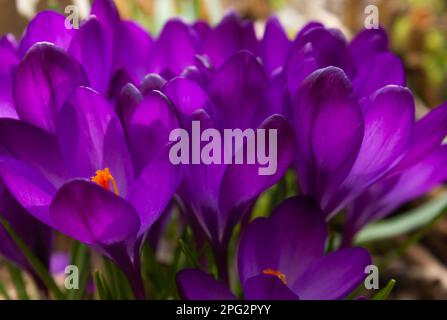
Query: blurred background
[{"x": 418, "y": 33}]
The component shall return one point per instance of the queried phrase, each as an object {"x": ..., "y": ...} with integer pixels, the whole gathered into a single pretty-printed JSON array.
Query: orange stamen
[
  {"x": 104, "y": 178},
  {"x": 281, "y": 276}
]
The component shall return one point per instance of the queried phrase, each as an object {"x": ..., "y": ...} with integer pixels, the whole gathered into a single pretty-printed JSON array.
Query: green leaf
[
  {"x": 404, "y": 223},
  {"x": 385, "y": 292},
  {"x": 39, "y": 268},
  {"x": 101, "y": 287},
  {"x": 117, "y": 282},
  {"x": 80, "y": 257},
  {"x": 189, "y": 254},
  {"x": 17, "y": 280},
  {"x": 4, "y": 292}
]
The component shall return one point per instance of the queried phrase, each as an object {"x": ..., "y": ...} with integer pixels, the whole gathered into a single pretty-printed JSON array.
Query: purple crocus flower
[
  {"x": 345, "y": 145},
  {"x": 83, "y": 138},
  {"x": 282, "y": 258},
  {"x": 420, "y": 170},
  {"x": 217, "y": 196}
]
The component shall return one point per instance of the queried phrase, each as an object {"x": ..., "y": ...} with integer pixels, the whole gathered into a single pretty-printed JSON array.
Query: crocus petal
[
  {"x": 329, "y": 48},
  {"x": 34, "y": 146},
  {"x": 275, "y": 45},
  {"x": 151, "y": 124},
  {"x": 301, "y": 233},
  {"x": 384, "y": 69},
  {"x": 126, "y": 104},
  {"x": 47, "y": 26},
  {"x": 30, "y": 188},
  {"x": 242, "y": 183},
  {"x": 387, "y": 195},
  {"x": 187, "y": 96},
  {"x": 299, "y": 64},
  {"x": 170, "y": 57},
  {"x": 92, "y": 49},
  {"x": 366, "y": 45},
  {"x": 34, "y": 233},
  {"x": 8, "y": 64},
  {"x": 90, "y": 214},
  {"x": 194, "y": 284},
  {"x": 237, "y": 89},
  {"x": 92, "y": 139},
  {"x": 428, "y": 133},
  {"x": 133, "y": 49},
  {"x": 48, "y": 76},
  {"x": 153, "y": 189},
  {"x": 389, "y": 118},
  {"x": 266, "y": 287},
  {"x": 329, "y": 127},
  {"x": 333, "y": 276},
  {"x": 228, "y": 37},
  {"x": 259, "y": 249}
]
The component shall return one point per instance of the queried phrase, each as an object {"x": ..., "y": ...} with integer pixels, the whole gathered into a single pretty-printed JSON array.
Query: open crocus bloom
[
  {"x": 282, "y": 257},
  {"x": 80, "y": 180}
]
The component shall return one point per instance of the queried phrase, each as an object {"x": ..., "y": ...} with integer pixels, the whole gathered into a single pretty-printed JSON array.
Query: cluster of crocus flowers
[{"x": 85, "y": 120}]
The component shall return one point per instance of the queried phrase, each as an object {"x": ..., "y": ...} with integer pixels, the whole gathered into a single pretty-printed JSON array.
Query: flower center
[
  {"x": 105, "y": 179},
  {"x": 281, "y": 276}
]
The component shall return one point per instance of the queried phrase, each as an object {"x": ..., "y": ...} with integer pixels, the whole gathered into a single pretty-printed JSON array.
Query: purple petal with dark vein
[
  {"x": 275, "y": 45},
  {"x": 48, "y": 76},
  {"x": 329, "y": 128},
  {"x": 47, "y": 26},
  {"x": 152, "y": 191},
  {"x": 151, "y": 125},
  {"x": 193, "y": 284},
  {"x": 267, "y": 287},
  {"x": 333, "y": 276},
  {"x": 389, "y": 118},
  {"x": 34, "y": 146},
  {"x": 259, "y": 249},
  {"x": 30, "y": 188},
  {"x": 243, "y": 183},
  {"x": 366, "y": 45},
  {"x": 428, "y": 133},
  {"x": 384, "y": 69},
  {"x": 237, "y": 89},
  {"x": 170, "y": 56},
  {"x": 35, "y": 234},
  {"x": 92, "y": 139},
  {"x": 92, "y": 49},
  {"x": 89, "y": 213},
  {"x": 301, "y": 235}
]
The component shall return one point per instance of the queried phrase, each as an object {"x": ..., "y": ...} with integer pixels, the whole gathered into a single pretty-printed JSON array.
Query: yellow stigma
[
  {"x": 104, "y": 178},
  {"x": 281, "y": 276}
]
